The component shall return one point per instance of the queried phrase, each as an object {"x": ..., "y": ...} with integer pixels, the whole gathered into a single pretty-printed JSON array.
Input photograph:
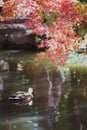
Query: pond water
[{"x": 59, "y": 97}]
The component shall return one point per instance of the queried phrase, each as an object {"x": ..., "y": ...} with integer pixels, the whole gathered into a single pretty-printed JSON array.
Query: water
[{"x": 57, "y": 105}]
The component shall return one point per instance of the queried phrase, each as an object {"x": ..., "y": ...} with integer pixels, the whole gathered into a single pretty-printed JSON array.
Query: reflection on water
[
  {"x": 54, "y": 96},
  {"x": 1, "y": 87},
  {"x": 56, "y": 105}
]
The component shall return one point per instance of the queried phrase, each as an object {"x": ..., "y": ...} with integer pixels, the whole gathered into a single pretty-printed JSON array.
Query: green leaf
[{"x": 37, "y": 39}]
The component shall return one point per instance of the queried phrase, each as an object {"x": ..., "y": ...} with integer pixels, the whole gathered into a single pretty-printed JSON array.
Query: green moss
[{"x": 82, "y": 30}]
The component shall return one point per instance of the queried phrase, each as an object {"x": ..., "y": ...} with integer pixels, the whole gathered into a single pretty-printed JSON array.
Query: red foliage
[{"x": 54, "y": 19}]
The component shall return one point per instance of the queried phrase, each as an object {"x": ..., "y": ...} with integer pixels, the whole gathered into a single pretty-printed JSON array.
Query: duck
[{"x": 22, "y": 97}]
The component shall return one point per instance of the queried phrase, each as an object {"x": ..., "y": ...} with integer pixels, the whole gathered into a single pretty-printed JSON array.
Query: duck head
[{"x": 30, "y": 90}]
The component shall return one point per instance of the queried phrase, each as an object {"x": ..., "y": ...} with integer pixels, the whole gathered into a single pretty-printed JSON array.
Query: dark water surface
[{"x": 57, "y": 104}]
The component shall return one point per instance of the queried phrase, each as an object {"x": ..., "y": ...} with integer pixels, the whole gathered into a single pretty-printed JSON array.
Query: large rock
[{"x": 15, "y": 34}]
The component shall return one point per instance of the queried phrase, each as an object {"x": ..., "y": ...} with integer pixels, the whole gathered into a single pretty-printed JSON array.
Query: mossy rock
[{"x": 82, "y": 30}]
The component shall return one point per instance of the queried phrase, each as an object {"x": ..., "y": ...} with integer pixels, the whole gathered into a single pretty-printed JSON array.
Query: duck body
[
  {"x": 21, "y": 97},
  {"x": 18, "y": 96}
]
